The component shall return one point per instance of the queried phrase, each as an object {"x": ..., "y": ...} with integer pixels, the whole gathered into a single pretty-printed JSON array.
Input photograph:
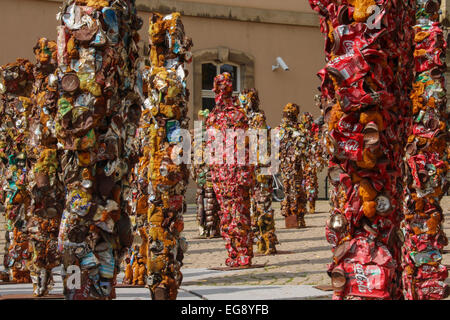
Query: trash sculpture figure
[
  {"x": 96, "y": 125},
  {"x": 367, "y": 80},
  {"x": 231, "y": 178},
  {"x": 263, "y": 222}
]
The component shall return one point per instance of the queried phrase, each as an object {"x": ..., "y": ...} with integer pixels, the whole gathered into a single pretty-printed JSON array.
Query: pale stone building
[{"x": 241, "y": 36}]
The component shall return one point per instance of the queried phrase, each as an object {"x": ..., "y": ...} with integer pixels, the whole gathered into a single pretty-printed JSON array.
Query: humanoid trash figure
[
  {"x": 315, "y": 161},
  {"x": 424, "y": 276},
  {"x": 15, "y": 107},
  {"x": 45, "y": 187},
  {"x": 232, "y": 182},
  {"x": 293, "y": 141},
  {"x": 137, "y": 254},
  {"x": 96, "y": 125},
  {"x": 136, "y": 263},
  {"x": 207, "y": 205},
  {"x": 165, "y": 112},
  {"x": 263, "y": 222},
  {"x": 368, "y": 115}
]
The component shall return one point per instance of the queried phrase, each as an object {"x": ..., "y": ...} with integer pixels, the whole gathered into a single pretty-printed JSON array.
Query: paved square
[{"x": 285, "y": 276}]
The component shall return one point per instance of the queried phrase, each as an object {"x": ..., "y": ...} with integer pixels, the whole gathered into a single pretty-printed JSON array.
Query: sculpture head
[
  {"x": 249, "y": 99},
  {"x": 291, "y": 111},
  {"x": 223, "y": 85}
]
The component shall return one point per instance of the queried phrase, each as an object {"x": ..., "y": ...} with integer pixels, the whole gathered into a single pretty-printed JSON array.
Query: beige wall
[
  {"x": 300, "y": 47},
  {"x": 22, "y": 22},
  {"x": 289, "y": 5}
]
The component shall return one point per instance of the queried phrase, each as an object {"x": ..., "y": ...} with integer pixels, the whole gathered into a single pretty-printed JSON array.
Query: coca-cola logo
[
  {"x": 338, "y": 59},
  {"x": 345, "y": 125},
  {"x": 349, "y": 145},
  {"x": 348, "y": 126},
  {"x": 361, "y": 279}
]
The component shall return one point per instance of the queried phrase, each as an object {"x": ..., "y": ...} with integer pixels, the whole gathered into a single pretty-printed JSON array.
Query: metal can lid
[
  {"x": 70, "y": 82},
  {"x": 383, "y": 204}
]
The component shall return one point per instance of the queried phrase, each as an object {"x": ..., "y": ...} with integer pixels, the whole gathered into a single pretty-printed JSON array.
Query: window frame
[
  {"x": 205, "y": 93},
  {"x": 219, "y": 55}
]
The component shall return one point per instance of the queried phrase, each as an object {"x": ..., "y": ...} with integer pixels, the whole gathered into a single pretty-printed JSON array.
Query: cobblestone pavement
[{"x": 306, "y": 264}]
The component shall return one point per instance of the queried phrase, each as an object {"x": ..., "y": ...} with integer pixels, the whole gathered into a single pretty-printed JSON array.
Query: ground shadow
[{"x": 237, "y": 279}]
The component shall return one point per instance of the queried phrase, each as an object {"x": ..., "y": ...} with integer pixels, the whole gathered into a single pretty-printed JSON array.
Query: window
[
  {"x": 209, "y": 71},
  {"x": 208, "y": 63}
]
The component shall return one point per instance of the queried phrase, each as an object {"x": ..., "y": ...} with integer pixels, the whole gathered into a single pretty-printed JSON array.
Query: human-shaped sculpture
[
  {"x": 231, "y": 181},
  {"x": 207, "y": 205},
  {"x": 315, "y": 161},
  {"x": 96, "y": 126},
  {"x": 293, "y": 141},
  {"x": 136, "y": 263},
  {"x": 427, "y": 162},
  {"x": 262, "y": 214},
  {"x": 15, "y": 106},
  {"x": 164, "y": 113},
  {"x": 368, "y": 115},
  {"x": 45, "y": 187}
]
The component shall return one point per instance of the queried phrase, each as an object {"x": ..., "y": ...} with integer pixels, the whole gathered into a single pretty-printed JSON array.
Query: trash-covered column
[
  {"x": 232, "y": 178},
  {"x": 426, "y": 162},
  {"x": 16, "y": 82},
  {"x": 96, "y": 125},
  {"x": 366, "y": 80},
  {"x": 262, "y": 214},
  {"x": 165, "y": 112},
  {"x": 45, "y": 188},
  {"x": 293, "y": 142},
  {"x": 207, "y": 206}
]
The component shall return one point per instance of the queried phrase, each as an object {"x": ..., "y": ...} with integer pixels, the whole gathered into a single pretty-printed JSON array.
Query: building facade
[{"x": 241, "y": 37}]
